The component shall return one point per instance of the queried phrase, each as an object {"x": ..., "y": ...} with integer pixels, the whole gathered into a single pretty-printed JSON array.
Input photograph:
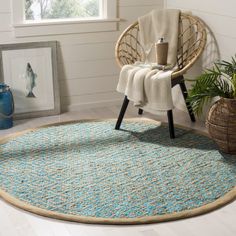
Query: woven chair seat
[{"x": 191, "y": 43}]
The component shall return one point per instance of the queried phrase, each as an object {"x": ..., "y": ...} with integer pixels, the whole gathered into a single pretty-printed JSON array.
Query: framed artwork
[{"x": 30, "y": 69}]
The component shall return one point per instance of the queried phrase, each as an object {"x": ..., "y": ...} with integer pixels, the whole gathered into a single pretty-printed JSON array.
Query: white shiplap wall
[
  {"x": 220, "y": 16},
  {"x": 87, "y": 69}
]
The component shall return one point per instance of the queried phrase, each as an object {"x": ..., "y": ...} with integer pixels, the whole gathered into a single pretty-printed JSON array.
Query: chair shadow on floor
[{"x": 184, "y": 138}]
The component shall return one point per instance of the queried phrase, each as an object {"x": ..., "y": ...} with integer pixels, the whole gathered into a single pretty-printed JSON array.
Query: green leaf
[{"x": 217, "y": 81}]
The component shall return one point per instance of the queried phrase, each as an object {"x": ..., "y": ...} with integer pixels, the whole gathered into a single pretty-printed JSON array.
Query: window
[
  {"x": 48, "y": 17},
  {"x": 38, "y": 10}
]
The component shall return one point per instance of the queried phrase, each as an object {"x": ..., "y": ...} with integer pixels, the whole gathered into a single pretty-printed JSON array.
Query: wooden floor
[{"x": 15, "y": 222}]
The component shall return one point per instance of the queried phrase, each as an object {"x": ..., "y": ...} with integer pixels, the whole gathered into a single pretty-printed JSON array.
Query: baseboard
[{"x": 77, "y": 107}]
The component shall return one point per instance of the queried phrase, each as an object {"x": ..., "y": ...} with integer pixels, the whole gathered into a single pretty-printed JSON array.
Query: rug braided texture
[{"x": 90, "y": 169}]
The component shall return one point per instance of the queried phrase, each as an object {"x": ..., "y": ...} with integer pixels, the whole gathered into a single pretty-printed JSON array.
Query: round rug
[{"x": 89, "y": 172}]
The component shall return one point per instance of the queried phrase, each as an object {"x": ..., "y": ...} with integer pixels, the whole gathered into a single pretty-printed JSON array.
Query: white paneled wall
[
  {"x": 220, "y": 16},
  {"x": 88, "y": 72}
]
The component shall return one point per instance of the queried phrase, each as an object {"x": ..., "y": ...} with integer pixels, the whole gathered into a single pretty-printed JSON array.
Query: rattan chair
[{"x": 192, "y": 41}]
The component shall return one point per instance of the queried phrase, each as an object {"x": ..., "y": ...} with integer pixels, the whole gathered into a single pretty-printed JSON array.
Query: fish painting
[{"x": 30, "y": 78}]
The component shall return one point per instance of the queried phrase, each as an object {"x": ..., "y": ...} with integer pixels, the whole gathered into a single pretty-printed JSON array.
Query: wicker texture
[
  {"x": 221, "y": 124},
  {"x": 192, "y": 41}
]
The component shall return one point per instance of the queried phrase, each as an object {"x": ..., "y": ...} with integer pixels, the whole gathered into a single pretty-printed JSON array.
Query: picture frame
[{"x": 30, "y": 70}]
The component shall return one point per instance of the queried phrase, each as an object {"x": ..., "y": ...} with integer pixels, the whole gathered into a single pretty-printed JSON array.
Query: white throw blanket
[
  {"x": 148, "y": 88},
  {"x": 158, "y": 24}
]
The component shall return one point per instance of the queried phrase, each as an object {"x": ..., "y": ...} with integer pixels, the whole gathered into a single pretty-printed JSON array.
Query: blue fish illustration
[{"x": 30, "y": 77}]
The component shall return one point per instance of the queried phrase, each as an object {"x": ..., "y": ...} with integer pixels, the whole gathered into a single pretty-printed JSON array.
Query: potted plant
[{"x": 218, "y": 82}]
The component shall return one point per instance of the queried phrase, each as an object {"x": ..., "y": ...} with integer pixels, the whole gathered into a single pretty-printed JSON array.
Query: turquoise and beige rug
[{"x": 89, "y": 172}]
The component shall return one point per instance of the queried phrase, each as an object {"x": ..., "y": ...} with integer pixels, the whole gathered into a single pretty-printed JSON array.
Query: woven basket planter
[{"x": 221, "y": 124}]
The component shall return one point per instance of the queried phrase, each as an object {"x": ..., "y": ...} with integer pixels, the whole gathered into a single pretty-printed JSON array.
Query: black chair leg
[
  {"x": 122, "y": 113},
  {"x": 185, "y": 95},
  {"x": 140, "y": 112},
  {"x": 171, "y": 124}
]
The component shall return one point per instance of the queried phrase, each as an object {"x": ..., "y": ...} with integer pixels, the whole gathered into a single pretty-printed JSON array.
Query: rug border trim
[{"x": 228, "y": 198}]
